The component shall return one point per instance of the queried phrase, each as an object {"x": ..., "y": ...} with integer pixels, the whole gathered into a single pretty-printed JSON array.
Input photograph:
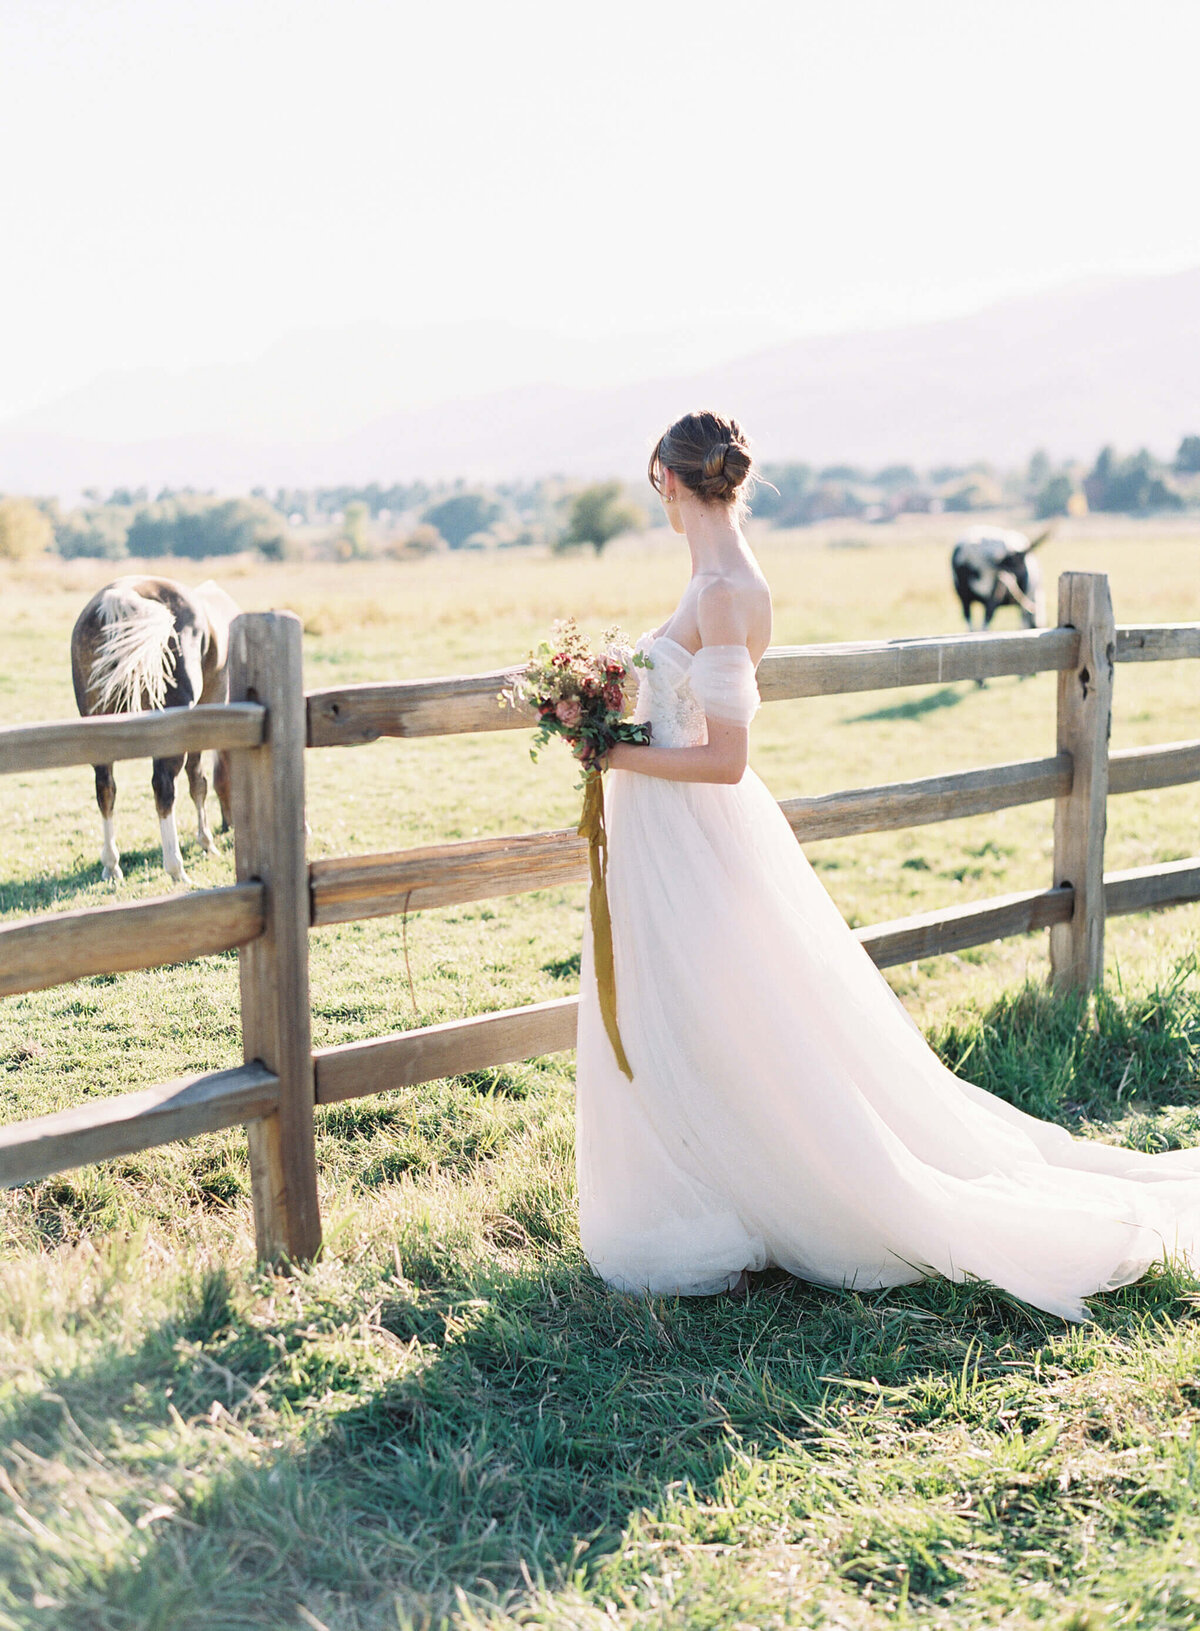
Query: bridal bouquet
[{"x": 581, "y": 695}]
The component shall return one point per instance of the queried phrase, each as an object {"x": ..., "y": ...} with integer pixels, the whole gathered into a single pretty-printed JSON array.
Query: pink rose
[
  {"x": 614, "y": 698},
  {"x": 568, "y": 712}
]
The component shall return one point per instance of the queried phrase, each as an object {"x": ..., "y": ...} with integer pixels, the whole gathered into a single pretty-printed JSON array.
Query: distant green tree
[
  {"x": 462, "y": 515},
  {"x": 1039, "y": 471},
  {"x": 25, "y": 529},
  {"x": 896, "y": 475},
  {"x": 1187, "y": 460},
  {"x": 1053, "y": 497},
  {"x": 197, "y": 527},
  {"x": 780, "y": 492},
  {"x": 101, "y": 532},
  {"x": 1133, "y": 486},
  {"x": 598, "y": 514},
  {"x": 354, "y": 541}
]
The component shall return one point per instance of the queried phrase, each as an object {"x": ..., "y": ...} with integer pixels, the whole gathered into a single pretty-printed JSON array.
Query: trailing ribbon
[{"x": 591, "y": 827}]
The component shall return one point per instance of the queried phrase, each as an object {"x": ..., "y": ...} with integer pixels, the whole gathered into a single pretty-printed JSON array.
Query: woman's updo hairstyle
[{"x": 708, "y": 453}]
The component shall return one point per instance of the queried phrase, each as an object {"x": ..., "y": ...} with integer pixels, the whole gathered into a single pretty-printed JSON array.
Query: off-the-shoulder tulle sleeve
[{"x": 723, "y": 683}]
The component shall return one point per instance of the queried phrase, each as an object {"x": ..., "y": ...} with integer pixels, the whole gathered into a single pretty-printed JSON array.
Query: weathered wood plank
[
  {"x": 103, "y": 1128},
  {"x": 1084, "y": 717},
  {"x": 929, "y": 799},
  {"x": 350, "y": 887},
  {"x": 64, "y": 946},
  {"x": 268, "y": 823},
  {"x": 931, "y": 934},
  {"x": 1166, "y": 764},
  {"x": 1157, "y": 642},
  {"x": 352, "y": 714},
  {"x": 1170, "y": 883},
  {"x": 440, "y": 707},
  {"x": 358, "y": 1068},
  {"x": 877, "y": 665},
  {"x": 109, "y": 737}
]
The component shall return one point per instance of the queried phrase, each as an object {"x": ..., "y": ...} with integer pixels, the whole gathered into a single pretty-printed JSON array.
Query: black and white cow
[{"x": 992, "y": 565}]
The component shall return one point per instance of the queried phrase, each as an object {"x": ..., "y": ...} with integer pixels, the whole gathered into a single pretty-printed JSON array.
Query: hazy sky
[{"x": 186, "y": 180}]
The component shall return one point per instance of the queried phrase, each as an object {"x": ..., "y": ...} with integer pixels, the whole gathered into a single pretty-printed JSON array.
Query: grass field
[{"x": 447, "y": 1420}]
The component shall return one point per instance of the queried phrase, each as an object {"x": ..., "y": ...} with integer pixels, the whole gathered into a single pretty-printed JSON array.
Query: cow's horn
[{"x": 1039, "y": 540}]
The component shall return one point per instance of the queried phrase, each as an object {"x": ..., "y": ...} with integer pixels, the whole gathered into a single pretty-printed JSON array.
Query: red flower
[{"x": 614, "y": 698}]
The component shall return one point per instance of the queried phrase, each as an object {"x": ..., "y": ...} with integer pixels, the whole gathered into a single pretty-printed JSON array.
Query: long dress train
[{"x": 784, "y": 1108}]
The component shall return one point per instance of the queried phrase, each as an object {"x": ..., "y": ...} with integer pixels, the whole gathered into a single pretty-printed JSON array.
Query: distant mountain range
[{"x": 1070, "y": 370}]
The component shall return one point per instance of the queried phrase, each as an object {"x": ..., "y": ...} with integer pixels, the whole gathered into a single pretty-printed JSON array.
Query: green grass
[{"x": 447, "y": 1420}]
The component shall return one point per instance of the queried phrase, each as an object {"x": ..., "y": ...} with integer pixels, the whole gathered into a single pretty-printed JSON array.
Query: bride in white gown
[{"x": 784, "y": 1109}]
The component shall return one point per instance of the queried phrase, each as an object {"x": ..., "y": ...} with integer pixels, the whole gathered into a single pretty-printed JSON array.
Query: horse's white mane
[{"x": 134, "y": 656}]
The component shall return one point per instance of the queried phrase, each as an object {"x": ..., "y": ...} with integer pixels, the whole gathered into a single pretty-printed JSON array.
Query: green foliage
[
  {"x": 101, "y": 533},
  {"x": 354, "y": 542},
  {"x": 1135, "y": 485},
  {"x": 596, "y": 515},
  {"x": 25, "y": 529},
  {"x": 780, "y": 492},
  {"x": 1187, "y": 459},
  {"x": 896, "y": 475},
  {"x": 1039, "y": 471},
  {"x": 197, "y": 527},
  {"x": 1053, "y": 498},
  {"x": 461, "y": 516}
]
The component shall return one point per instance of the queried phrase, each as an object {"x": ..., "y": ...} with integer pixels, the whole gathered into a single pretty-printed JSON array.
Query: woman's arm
[{"x": 722, "y": 759}]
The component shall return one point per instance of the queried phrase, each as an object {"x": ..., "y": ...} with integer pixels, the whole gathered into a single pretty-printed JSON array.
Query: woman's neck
[{"x": 713, "y": 538}]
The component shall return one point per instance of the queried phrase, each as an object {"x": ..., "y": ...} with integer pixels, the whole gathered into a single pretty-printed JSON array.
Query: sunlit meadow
[{"x": 447, "y": 1420}]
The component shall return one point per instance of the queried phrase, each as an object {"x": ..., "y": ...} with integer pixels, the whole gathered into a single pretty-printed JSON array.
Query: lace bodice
[
  {"x": 665, "y": 695},
  {"x": 684, "y": 689}
]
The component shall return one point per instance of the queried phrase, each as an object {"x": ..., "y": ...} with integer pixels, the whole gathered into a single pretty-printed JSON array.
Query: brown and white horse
[{"x": 145, "y": 643}]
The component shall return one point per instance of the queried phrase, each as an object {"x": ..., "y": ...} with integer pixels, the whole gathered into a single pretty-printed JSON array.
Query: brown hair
[{"x": 708, "y": 453}]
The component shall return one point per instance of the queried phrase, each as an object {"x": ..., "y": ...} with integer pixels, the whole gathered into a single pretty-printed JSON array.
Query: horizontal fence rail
[
  {"x": 103, "y": 1128},
  {"x": 357, "y": 1069},
  {"x": 267, "y": 916},
  {"x": 350, "y": 714},
  {"x": 105, "y": 738},
  {"x": 62, "y": 946},
  {"x": 1157, "y": 642},
  {"x": 353, "y": 887},
  {"x": 444, "y": 707}
]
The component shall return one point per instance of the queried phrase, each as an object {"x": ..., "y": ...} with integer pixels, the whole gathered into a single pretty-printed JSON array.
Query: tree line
[{"x": 407, "y": 519}]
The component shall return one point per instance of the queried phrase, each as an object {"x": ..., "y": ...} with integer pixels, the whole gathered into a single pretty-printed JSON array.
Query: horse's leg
[
  {"x": 106, "y": 798},
  {"x": 198, "y": 788},
  {"x": 222, "y": 786},
  {"x": 163, "y": 781}
]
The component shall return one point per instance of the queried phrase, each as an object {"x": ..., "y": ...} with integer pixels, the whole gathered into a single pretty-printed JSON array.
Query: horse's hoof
[
  {"x": 113, "y": 875},
  {"x": 180, "y": 877}
]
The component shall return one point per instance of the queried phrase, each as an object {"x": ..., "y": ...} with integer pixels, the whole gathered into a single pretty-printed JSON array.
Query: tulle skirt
[{"x": 785, "y": 1110}]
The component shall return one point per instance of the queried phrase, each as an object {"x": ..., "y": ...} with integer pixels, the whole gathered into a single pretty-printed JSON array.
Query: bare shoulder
[{"x": 734, "y": 612}]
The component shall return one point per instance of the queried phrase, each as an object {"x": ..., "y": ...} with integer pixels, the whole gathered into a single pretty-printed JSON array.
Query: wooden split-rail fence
[{"x": 279, "y": 897}]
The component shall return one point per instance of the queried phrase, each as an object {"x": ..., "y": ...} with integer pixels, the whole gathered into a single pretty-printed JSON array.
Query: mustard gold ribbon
[{"x": 591, "y": 827}]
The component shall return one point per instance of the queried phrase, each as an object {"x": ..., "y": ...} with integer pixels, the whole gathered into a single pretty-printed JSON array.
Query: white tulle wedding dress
[{"x": 784, "y": 1108}]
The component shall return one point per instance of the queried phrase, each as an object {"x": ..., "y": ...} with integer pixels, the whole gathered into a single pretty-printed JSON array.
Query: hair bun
[
  {"x": 714, "y": 465},
  {"x": 707, "y": 452}
]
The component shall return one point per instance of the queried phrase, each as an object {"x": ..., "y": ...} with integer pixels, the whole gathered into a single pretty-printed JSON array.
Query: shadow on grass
[
  {"x": 63, "y": 891},
  {"x": 948, "y": 696},
  {"x": 533, "y": 1419}
]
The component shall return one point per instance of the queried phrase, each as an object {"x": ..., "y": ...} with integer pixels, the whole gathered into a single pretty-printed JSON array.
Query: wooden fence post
[
  {"x": 1084, "y": 718},
  {"x": 268, "y": 815}
]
